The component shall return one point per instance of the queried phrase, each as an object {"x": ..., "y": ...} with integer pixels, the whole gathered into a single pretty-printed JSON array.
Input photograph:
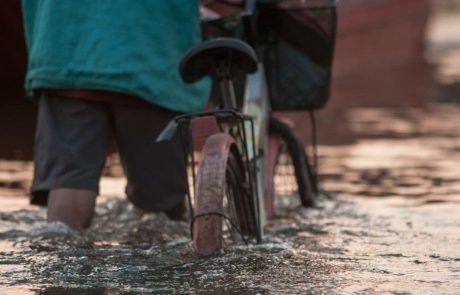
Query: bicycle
[{"x": 239, "y": 144}]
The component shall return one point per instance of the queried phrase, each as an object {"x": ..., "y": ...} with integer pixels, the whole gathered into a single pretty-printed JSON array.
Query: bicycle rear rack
[{"x": 239, "y": 125}]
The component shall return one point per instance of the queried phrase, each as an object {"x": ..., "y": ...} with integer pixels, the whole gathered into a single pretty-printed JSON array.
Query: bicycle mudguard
[{"x": 209, "y": 194}]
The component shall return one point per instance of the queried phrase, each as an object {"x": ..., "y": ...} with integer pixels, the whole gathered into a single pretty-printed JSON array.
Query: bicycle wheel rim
[{"x": 296, "y": 152}]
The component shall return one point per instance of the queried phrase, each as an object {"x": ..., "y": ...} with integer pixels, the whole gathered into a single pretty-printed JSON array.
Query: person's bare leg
[{"x": 74, "y": 207}]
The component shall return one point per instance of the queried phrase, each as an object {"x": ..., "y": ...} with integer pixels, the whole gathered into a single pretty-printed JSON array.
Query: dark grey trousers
[{"x": 74, "y": 136}]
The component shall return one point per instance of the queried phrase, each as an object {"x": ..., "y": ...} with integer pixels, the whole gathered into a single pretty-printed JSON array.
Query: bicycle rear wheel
[
  {"x": 285, "y": 149},
  {"x": 223, "y": 207}
]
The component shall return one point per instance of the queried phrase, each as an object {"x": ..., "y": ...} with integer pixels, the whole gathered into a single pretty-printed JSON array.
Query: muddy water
[{"x": 390, "y": 226}]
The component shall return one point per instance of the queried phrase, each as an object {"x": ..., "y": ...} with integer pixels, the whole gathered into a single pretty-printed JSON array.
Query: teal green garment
[{"x": 127, "y": 46}]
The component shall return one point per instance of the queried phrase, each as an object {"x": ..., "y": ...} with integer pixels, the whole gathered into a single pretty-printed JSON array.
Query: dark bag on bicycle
[{"x": 299, "y": 36}]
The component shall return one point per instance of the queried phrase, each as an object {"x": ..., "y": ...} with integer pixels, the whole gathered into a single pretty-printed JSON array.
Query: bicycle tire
[
  {"x": 220, "y": 181},
  {"x": 282, "y": 133}
]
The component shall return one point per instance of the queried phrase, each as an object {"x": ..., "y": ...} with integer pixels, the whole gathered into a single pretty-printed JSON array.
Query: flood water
[{"x": 391, "y": 226}]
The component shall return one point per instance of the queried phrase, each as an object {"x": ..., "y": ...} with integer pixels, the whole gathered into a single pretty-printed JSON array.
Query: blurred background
[{"x": 383, "y": 59}]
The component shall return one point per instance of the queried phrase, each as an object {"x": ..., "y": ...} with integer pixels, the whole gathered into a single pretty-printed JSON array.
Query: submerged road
[{"x": 390, "y": 225}]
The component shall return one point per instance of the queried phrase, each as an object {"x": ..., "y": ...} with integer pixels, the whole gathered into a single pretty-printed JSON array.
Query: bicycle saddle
[{"x": 221, "y": 58}]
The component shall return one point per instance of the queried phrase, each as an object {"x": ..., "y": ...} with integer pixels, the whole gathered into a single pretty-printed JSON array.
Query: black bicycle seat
[{"x": 215, "y": 56}]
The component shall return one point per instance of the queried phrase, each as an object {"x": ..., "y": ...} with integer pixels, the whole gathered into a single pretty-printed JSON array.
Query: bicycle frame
[
  {"x": 243, "y": 128},
  {"x": 256, "y": 104},
  {"x": 249, "y": 128}
]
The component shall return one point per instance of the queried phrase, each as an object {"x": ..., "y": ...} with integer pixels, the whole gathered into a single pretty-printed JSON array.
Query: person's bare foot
[{"x": 73, "y": 207}]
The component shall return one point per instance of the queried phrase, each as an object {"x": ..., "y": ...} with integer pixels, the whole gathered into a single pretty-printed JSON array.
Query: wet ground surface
[{"x": 392, "y": 226}]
